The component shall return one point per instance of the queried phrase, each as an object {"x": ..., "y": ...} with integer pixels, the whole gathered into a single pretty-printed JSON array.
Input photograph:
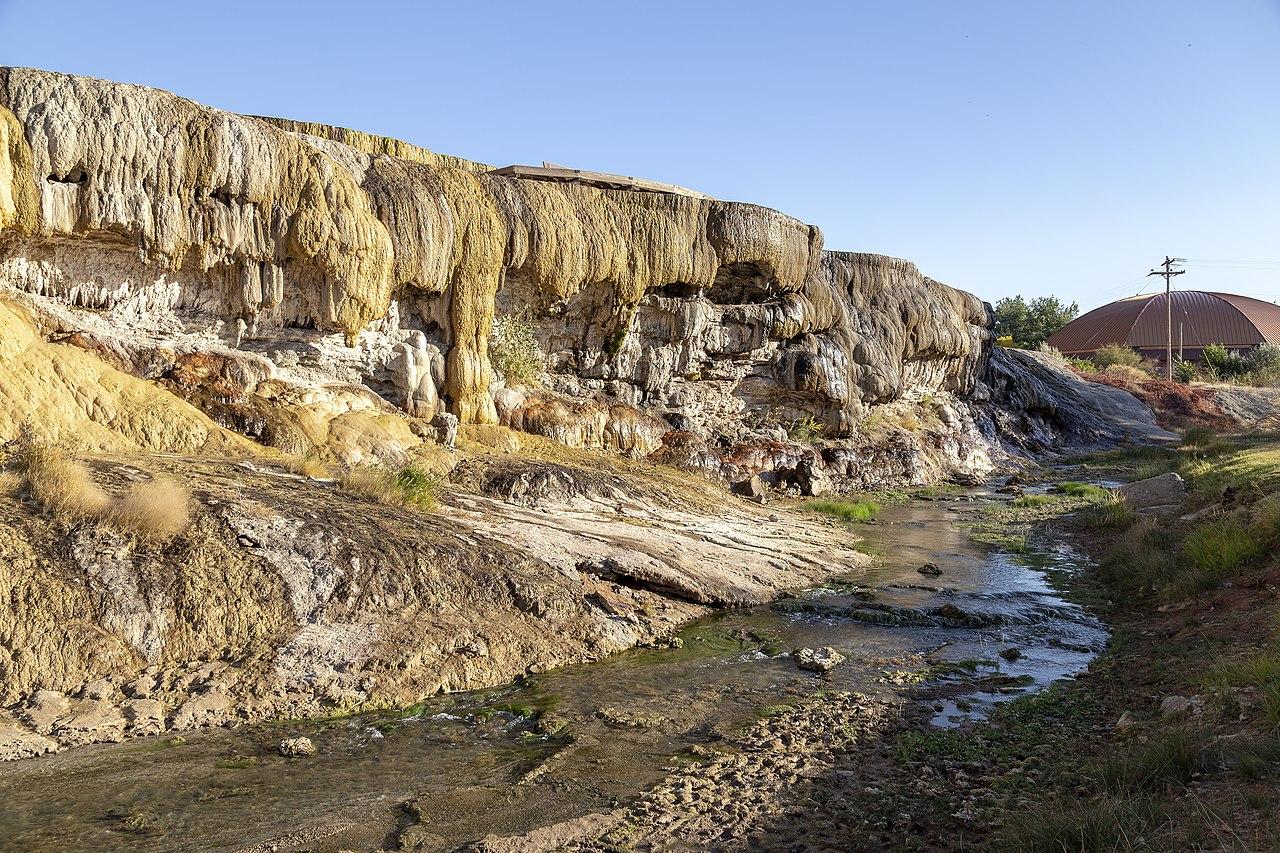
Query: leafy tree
[{"x": 1029, "y": 323}]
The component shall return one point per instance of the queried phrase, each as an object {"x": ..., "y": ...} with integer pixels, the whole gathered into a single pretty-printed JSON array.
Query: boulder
[
  {"x": 818, "y": 660},
  {"x": 1155, "y": 495},
  {"x": 446, "y": 425},
  {"x": 752, "y": 487},
  {"x": 811, "y": 479},
  {"x": 929, "y": 570},
  {"x": 296, "y": 746}
]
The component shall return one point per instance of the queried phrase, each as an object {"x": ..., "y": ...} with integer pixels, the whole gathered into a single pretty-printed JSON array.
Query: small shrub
[
  {"x": 1126, "y": 373},
  {"x": 1053, "y": 352},
  {"x": 417, "y": 487},
  {"x": 1141, "y": 561},
  {"x": 159, "y": 509},
  {"x": 1264, "y": 357},
  {"x": 514, "y": 351},
  {"x": 1084, "y": 365},
  {"x": 807, "y": 430},
  {"x": 1202, "y": 442},
  {"x": 863, "y": 509},
  {"x": 1224, "y": 363},
  {"x": 1117, "y": 354},
  {"x": 1184, "y": 371}
]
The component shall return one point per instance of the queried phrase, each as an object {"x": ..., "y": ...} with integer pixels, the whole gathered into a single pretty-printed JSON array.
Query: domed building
[{"x": 1200, "y": 318}]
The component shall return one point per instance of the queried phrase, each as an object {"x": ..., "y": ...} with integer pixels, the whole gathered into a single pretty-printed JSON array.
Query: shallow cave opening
[
  {"x": 680, "y": 290},
  {"x": 75, "y": 176},
  {"x": 741, "y": 284},
  {"x": 220, "y": 194}
]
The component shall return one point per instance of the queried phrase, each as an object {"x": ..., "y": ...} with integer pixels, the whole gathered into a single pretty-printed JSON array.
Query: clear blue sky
[{"x": 1006, "y": 147}]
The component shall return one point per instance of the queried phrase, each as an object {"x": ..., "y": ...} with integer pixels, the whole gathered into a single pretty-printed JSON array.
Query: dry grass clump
[
  {"x": 156, "y": 509},
  {"x": 159, "y": 508},
  {"x": 309, "y": 465},
  {"x": 63, "y": 487}
]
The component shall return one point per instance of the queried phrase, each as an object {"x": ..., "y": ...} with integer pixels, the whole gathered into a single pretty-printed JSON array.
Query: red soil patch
[{"x": 1176, "y": 406}]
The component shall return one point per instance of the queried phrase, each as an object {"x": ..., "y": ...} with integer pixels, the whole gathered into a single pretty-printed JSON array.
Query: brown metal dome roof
[{"x": 1200, "y": 318}]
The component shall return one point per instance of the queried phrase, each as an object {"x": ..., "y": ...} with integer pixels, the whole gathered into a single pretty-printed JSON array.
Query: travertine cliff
[
  {"x": 296, "y": 255},
  {"x": 228, "y": 300}
]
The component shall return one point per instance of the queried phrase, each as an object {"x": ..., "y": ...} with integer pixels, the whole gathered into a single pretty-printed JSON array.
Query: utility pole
[{"x": 1168, "y": 272}]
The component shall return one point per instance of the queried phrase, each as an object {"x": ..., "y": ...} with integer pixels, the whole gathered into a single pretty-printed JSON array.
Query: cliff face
[{"x": 312, "y": 255}]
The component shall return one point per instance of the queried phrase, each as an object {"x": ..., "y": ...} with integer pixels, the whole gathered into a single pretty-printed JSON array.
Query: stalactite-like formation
[{"x": 271, "y": 222}]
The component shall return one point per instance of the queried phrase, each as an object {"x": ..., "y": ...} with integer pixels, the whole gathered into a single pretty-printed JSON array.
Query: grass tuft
[
  {"x": 1113, "y": 824},
  {"x": 1220, "y": 548},
  {"x": 862, "y": 509},
  {"x": 408, "y": 487},
  {"x": 1168, "y": 760}
]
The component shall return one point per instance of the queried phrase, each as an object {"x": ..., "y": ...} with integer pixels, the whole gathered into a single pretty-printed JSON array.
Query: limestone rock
[
  {"x": 446, "y": 426},
  {"x": 90, "y": 721},
  {"x": 1174, "y": 705},
  {"x": 1160, "y": 495},
  {"x": 144, "y": 716},
  {"x": 811, "y": 479},
  {"x": 17, "y": 741},
  {"x": 818, "y": 660},
  {"x": 1043, "y": 403},
  {"x": 297, "y": 746},
  {"x": 204, "y": 709},
  {"x": 44, "y": 709},
  {"x": 100, "y": 689}
]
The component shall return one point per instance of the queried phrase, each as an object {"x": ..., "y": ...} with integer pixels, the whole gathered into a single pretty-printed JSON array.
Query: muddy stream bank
[{"x": 583, "y": 739}]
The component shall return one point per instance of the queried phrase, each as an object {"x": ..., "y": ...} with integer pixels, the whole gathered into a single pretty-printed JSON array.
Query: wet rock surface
[{"x": 574, "y": 750}]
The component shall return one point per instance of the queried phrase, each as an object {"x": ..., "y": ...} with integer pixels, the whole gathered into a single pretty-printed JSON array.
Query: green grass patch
[
  {"x": 847, "y": 510},
  {"x": 1089, "y": 491},
  {"x": 1030, "y": 501},
  {"x": 236, "y": 762}
]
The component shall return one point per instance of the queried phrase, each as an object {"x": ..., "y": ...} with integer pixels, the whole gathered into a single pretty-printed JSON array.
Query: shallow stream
[{"x": 498, "y": 761}]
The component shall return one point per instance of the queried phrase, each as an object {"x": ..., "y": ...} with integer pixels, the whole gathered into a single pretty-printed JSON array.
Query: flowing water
[{"x": 482, "y": 762}]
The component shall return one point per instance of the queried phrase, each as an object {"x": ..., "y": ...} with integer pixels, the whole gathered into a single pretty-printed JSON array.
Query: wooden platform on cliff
[{"x": 604, "y": 180}]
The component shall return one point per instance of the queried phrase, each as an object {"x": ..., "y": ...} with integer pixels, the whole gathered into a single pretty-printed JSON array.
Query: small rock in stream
[
  {"x": 297, "y": 746},
  {"x": 818, "y": 660},
  {"x": 930, "y": 570},
  {"x": 1011, "y": 654}
]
